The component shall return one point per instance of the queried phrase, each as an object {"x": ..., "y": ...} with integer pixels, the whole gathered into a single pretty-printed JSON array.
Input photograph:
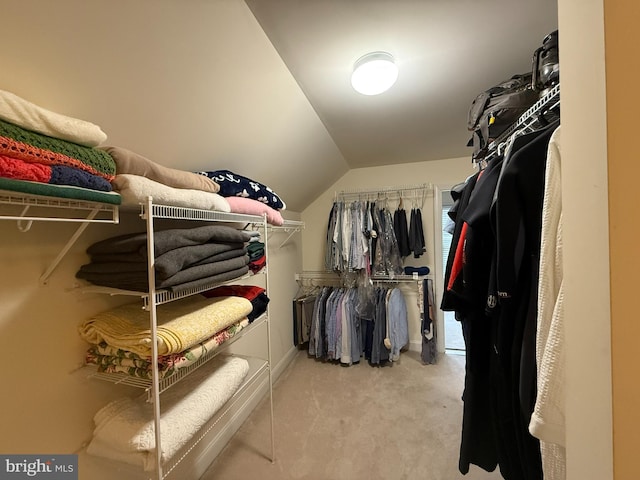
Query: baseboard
[{"x": 284, "y": 363}]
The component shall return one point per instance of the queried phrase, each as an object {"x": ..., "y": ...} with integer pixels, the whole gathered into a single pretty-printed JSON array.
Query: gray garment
[
  {"x": 398, "y": 322},
  {"x": 354, "y": 325},
  {"x": 379, "y": 352},
  {"x": 165, "y": 240},
  {"x": 167, "y": 264}
]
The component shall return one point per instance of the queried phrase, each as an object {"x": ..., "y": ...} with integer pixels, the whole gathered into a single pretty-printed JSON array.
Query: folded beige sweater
[{"x": 128, "y": 162}]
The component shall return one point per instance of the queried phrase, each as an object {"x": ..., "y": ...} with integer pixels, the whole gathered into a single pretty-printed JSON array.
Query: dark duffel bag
[
  {"x": 546, "y": 64},
  {"x": 496, "y": 109}
]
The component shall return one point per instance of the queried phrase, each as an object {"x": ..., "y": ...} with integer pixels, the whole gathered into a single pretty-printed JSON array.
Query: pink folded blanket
[{"x": 254, "y": 207}]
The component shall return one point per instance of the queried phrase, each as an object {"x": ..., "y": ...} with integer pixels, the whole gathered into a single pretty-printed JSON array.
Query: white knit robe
[{"x": 548, "y": 419}]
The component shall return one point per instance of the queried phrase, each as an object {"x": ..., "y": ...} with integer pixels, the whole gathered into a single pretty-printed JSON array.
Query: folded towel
[
  {"x": 128, "y": 162},
  {"x": 29, "y": 146},
  {"x": 166, "y": 240},
  {"x": 16, "y": 110},
  {"x": 254, "y": 207},
  {"x": 135, "y": 190},
  {"x": 181, "y": 324},
  {"x": 125, "y": 428}
]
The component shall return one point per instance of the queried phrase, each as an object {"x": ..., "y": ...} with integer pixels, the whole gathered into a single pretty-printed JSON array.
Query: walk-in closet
[{"x": 224, "y": 256}]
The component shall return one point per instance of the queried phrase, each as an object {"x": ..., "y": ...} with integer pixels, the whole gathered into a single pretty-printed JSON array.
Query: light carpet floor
[{"x": 355, "y": 423}]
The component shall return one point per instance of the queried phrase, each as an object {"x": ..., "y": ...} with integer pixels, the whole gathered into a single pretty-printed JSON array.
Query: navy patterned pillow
[{"x": 234, "y": 185}]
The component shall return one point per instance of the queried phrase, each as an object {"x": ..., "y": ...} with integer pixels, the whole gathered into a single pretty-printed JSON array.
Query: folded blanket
[
  {"x": 138, "y": 284},
  {"x": 103, "y": 274},
  {"x": 181, "y": 324},
  {"x": 18, "y": 111},
  {"x": 29, "y": 146},
  {"x": 234, "y": 185},
  {"x": 135, "y": 190},
  {"x": 256, "y": 265},
  {"x": 166, "y": 240},
  {"x": 254, "y": 207},
  {"x": 255, "y": 250},
  {"x": 59, "y": 191},
  {"x": 247, "y": 291},
  {"x": 115, "y": 360},
  {"x": 125, "y": 428},
  {"x": 128, "y": 162},
  {"x": 56, "y": 174},
  {"x": 257, "y": 296},
  {"x": 208, "y": 282},
  {"x": 167, "y": 264}
]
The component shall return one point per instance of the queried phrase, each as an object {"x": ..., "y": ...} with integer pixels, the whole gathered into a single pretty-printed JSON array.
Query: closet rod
[
  {"x": 324, "y": 275},
  {"x": 387, "y": 189},
  {"x": 406, "y": 192}
]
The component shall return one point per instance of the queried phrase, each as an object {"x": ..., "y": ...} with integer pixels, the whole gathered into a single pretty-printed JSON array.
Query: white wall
[
  {"x": 586, "y": 240},
  {"x": 195, "y": 85},
  {"x": 442, "y": 173}
]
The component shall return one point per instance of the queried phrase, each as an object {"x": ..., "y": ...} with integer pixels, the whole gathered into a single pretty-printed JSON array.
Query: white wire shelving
[
  {"x": 152, "y": 298},
  {"x": 167, "y": 382}
]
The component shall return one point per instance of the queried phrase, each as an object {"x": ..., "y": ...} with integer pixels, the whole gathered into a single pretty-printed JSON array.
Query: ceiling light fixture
[{"x": 374, "y": 73}]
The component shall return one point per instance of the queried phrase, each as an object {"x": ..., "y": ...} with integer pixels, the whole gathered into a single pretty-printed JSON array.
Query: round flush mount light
[{"x": 374, "y": 73}]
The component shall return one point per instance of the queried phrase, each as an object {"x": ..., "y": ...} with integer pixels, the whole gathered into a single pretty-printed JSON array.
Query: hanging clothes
[
  {"x": 548, "y": 418},
  {"x": 493, "y": 290},
  {"x": 401, "y": 231},
  {"x": 416, "y": 233},
  {"x": 429, "y": 351},
  {"x": 360, "y": 236},
  {"x": 338, "y": 333},
  {"x": 303, "y": 304}
]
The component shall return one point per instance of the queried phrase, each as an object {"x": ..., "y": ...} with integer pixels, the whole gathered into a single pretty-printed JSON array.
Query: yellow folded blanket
[{"x": 181, "y": 324}]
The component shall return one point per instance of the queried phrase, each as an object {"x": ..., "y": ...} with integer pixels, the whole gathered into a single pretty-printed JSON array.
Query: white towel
[
  {"x": 18, "y": 111},
  {"x": 125, "y": 428},
  {"x": 548, "y": 418},
  {"x": 135, "y": 189}
]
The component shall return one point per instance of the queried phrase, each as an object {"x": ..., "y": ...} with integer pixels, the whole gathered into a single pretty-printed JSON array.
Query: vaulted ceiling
[{"x": 447, "y": 53}]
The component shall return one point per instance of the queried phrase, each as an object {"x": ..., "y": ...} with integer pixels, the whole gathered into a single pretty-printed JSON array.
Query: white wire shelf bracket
[
  {"x": 92, "y": 212},
  {"x": 289, "y": 226},
  {"x": 167, "y": 382},
  {"x": 109, "y": 212}
]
